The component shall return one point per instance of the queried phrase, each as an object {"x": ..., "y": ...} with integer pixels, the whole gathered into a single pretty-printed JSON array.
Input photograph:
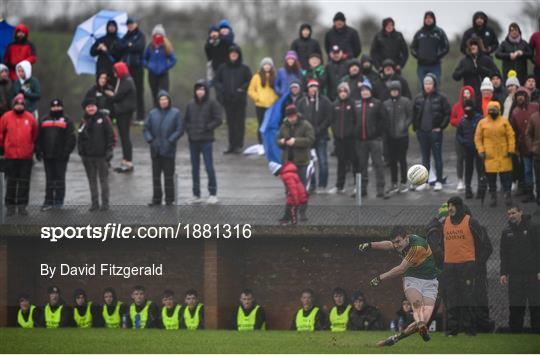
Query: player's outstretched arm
[
  {"x": 396, "y": 271},
  {"x": 384, "y": 245}
]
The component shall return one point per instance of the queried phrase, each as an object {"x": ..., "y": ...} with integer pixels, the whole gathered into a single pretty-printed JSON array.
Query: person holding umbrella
[{"x": 104, "y": 50}]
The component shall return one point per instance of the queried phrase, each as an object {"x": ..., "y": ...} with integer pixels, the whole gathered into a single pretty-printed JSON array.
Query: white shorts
[{"x": 428, "y": 288}]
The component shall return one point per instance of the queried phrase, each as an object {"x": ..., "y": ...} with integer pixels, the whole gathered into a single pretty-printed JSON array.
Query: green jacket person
[
  {"x": 85, "y": 313},
  {"x": 249, "y": 315},
  {"x": 193, "y": 312},
  {"x": 171, "y": 312},
  {"x": 56, "y": 314},
  {"x": 143, "y": 313},
  {"x": 112, "y": 310},
  {"x": 339, "y": 314},
  {"x": 309, "y": 317},
  {"x": 27, "y": 316}
]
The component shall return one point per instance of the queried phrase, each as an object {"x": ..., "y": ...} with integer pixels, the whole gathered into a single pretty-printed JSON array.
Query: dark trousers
[
  {"x": 506, "y": 181},
  {"x": 523, "y": 288},
  {"x": 459, "y": 281},
  {"x": 157, "y": 83},
  {"x": 460, "y": 159},
  {"x": 365, "y": 149},
  {"x": 196, "y": 149},
  {"x": 431, "y": 143},
  {"x": 55, "y": 186},
  {"x": 138, "y": 78},
  {"x": 236, "y": 123},
  {"x": 166, "y": 166},
  {"x": 260, "y": 111},
  {"x": 124, "y": 122},
  {"x": 18, "y": 174},
  {"x": 397, "y": 154},
  {"x": 345, "y": 153},
  {"x": 536, "y": 165},
  {"x": 472, "y": 161},
  {"x": 302, "y": 173},
  {"x": 97, "y": 167},
  {"x": 322, "y": 162},
  {"x": 481, "y": 311}
]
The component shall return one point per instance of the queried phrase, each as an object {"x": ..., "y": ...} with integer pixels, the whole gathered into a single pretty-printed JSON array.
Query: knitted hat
[
  {"x": 296, "y": 83},
  {"x": 344, "y": 86},
  {"x": 267, "y": 60},
  {"x": 339, "y": 16},
  {"x": 443, "y": 210},
  {"x": 88, "y": 101},
  {"x": 388, "y": 63},
  {"x": 429, "y": 79},
  {"x": 512, "y": 79},
  {"x": 290, "y": 110},
  {"x": 291, "y": 54},
  {"x": 3, "y": 67},
  {"x": 274, "y": 167},
  {"x": 158, "y": 30},
  {"x": 395, "y": 85},
  {"x": 366, "y": 84},
  {"x": 312, "y": 82},
  {"x": 486, "y": 85}
]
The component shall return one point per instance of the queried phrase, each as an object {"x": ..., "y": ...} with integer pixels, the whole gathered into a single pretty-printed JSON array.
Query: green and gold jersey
[{"x": 419, "y": 255}]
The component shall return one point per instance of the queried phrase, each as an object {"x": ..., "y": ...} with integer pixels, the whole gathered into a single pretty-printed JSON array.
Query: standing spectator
[
  {"x": 291, "y": 70},
  {"x": 465, "y": 93},
  {"x": 95, "y": 144},
  {"x": 431, "y": 115},
  {"x": 520, "y": 270},
  {"x": 533, "y": 133},
  {"x": 305, "y": 45},
  {"x": 512, "y": 85},
  {"x": 364, "y": 316},
  {"x": 372, "y": 76},
  {"x": 317, "y": 110},
  {"x": 261, "y": 91},
  {"x": 532, "y": 88},
  {"x": 28, "y": 85},
  {"x": 534, "y": 43},
  {"x": 466, "y": 149},
  {"x": 354, "y": 78},
  {"x": 98, "y": 92},
  {"x": 390, "y": 74},
  {"x": 217, "y": 50},
  {"x": 343, "y": 36},
  {"x": 429, "y": 46},
  {"x": 343, "y": 122},
  {"x": 335, "y": 70},
  {"x": 162, "y": 130},
  {"x": 494, "y": 139},
  {"x": 225, "y": 31},
  {"x": 464, "y": 243},
  {"x": 481, "y": 31},
  {"x": 514, "y": 52},
  {"x": 105, "y": 49},
  {"x": 295, "y": 93},
  {"x": 519, "y": 119},
  {"x": 18, "y": 50},
  {"x": 124, "y": 103},
  {"x": 249, "y": 315},
  {"x": 339, "y": 314},
  {"x": 5, "y": 89},
  {"x": 296, "y": 137},
  {"x": 398, "y": 112},
  {"x": 309, "y": 317},
  {"x": 203, "y": 116},
  {"x": 18, "y": 132},
  {"x": 231, "y": 82},
  {"x": 499, "y": 90},
  {"x": 405, "y": 316},
  {"x": 370, "y": 123},
  {"x": 159, "y": 58},
  {"x": 316, "y": 71},
  {"x": 474, "y": 66},
  {"x": 294, "y": 189},
  {"x": 389, "y": 44},
  {"x": 131, "y": 49},
  {"x": 486, "y": 91},
  {"x": 56, "y": 141}
]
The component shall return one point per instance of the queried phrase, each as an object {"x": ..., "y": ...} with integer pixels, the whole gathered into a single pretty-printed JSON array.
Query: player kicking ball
[{"x": 419, "y": 283}]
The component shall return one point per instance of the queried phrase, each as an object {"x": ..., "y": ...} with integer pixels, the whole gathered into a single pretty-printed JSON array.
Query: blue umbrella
[
  {"x": 6, "y": 37},
  {"x": 86, "y": 35},
  {"x": 270, "y": 128}
]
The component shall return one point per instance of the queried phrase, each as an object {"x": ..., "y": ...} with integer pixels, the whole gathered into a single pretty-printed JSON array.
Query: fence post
[
  {"x": 359, "y": 189},
  {"x": 2, "y": 206}
]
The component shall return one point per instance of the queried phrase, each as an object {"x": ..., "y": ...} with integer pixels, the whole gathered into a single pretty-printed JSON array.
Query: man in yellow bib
[
  {"x": 56, "y": 314},
  {"x": 249, "y": 315},
  {"x": 27, "y": 316},
  {"x": 113, "y": 311},
  {"x": 339, "y": 314},
  {"x": 143, "y": 313},
  {"x": 309, "y": 317},
  {"x": 171, "y": 312},
  {"x": 85, "y": 313},
  {"x": 193, "y": 312}
]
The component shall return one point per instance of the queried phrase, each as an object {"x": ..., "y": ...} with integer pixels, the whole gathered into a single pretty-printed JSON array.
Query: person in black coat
[
  {"x": 389, "y": 44},
  {"x": 474, "y": 67},
  {"x": 514, "y": 52},
  {"x": 131, "y": 49},
  {"x": 482, "y": 31},
  {"x": 106, "y": 51},
  {"x": 305, "y": 45},
  {"x": 56, "y": 140},
  {"x": 368, "y": 72},
  {"x": 231, "y": 82},
  {"x": 97, "y": 91},
  {"x": 364, "y": 316},
  {"x": 216, "y": 49},
  {"x": 334, "y": 71},
  {"x": 389, "y": 73},
  {"x": 344, "y": 36}
]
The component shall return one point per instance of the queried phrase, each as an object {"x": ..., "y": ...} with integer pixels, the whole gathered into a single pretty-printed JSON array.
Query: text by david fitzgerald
[{"x": 114, "y": 270}]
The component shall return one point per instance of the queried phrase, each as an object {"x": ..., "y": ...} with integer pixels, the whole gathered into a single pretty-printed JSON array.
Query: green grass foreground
[{"x": 160, "y": 341}]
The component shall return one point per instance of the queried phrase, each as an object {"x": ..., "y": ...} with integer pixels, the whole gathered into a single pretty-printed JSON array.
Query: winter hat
[
  {"x": 395, "y": 85},
  {"x": 429, "y": 79},
  {"x": 443, "y": 210},
  {"x": 512, "y": 79},
  {"x": 290, "y": 110},
  {"x": 339, "y": 16},
  {"x": 158, "y": 30},
  {"x": 366, "y": 84},
  {"x": 344, "y": 86},
  {"x": 291, "y": 54},
  {"x": 88, "y": 101},
  {"x": 224, "y": 24},
  {"x": 267, "y": 60},
  {"x": 57, "y": 102},
  {"x": 294, "y": 83},
  {"x": 3, "y": 67},
  {"x": 388, "y": 63},
  {"x": 130, "y": 20},
  {"x": 312, "y": 82},
  {"x": 18, "y": 99},
  {"x": 486, "y": 85},
  {"x": 275, "y": 168}
]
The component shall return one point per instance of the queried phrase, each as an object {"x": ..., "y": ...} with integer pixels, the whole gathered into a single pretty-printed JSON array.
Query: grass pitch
[{"x": 160, "y": 341}]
